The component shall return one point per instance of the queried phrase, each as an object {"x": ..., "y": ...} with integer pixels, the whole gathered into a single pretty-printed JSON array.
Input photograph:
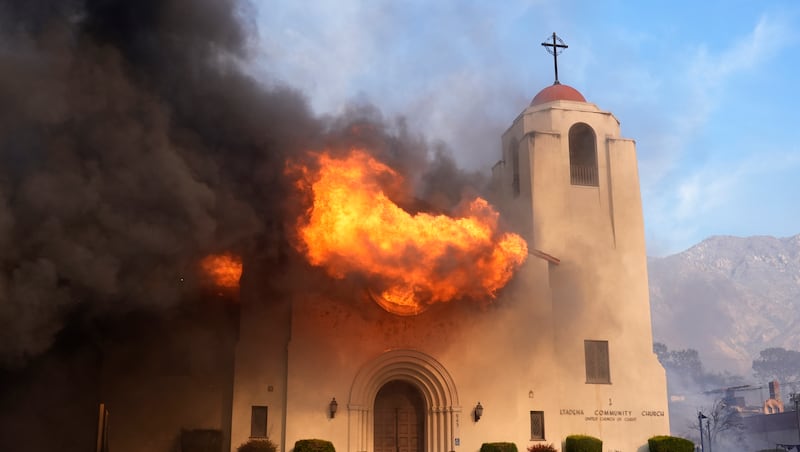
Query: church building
[{"x": 565, "y": 349}]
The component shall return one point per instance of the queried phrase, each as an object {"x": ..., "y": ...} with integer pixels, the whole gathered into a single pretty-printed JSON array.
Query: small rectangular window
[
  {"x": 515, "y": 167},
  {"x": 537, "y": 425},
  {"x": 515, "y": 185},
  {"x": 597, "y": 367},
  {"x": 258, "y": 422}
]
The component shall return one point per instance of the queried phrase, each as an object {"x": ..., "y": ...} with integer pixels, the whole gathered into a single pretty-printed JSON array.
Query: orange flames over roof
[
  {"x": 410, "y": 260},
  {"x": 224, "y": 270}
]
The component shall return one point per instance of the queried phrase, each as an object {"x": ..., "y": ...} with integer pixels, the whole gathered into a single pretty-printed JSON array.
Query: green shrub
[
  {"x": 498, "y": 447},
  {"x": 664, "y": 443},
  {"x": 542, "y": 448},
  {"x": 258, "y": 445},
  {"x": 583, "y": 443},
  {"x": 313, "y": 445}
]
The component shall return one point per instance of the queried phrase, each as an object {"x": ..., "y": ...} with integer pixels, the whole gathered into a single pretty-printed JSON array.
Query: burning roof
[{"x": 410, "y": 260}]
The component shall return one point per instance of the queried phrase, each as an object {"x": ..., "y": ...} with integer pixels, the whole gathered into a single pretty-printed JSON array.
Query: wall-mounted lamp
[
  {"x": 333, "y": 407},
  {"x": 478, "y": 412}
]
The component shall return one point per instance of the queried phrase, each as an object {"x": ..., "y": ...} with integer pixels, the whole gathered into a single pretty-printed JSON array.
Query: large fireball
[{"x": 410, "y": 260}]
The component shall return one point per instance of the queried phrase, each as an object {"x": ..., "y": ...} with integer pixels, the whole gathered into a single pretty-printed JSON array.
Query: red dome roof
[{"x": 557, "y": 92}]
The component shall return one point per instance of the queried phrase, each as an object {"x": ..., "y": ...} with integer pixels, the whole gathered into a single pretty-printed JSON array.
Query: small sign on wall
[{"x": 458, "y": 441}]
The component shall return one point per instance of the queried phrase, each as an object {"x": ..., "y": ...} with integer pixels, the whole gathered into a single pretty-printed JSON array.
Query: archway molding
[{"x": 442, "y": 408}]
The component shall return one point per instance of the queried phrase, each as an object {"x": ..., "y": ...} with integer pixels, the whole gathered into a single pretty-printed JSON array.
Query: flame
[
  {"x": 410, "y": 260},
  {"x": 223, "y": 269}
]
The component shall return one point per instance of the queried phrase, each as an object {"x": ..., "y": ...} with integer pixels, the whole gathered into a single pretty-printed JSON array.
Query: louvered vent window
[{"x": 597, "y": 368}]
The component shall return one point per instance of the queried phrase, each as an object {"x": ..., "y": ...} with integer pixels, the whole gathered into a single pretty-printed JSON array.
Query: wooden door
[{"x": 399, "y": 418}]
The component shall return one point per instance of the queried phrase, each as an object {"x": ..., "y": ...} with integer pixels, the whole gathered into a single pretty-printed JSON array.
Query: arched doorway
[
  {"x": 434, "y": 390},
  {"x": 399, "y": 416}
]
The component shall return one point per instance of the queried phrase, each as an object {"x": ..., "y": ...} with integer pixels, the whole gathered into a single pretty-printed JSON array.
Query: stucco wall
[{"x": 493, "y": 352}]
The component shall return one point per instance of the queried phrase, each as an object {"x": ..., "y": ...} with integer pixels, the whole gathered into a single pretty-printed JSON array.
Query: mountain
[{"x": 729, "y": 298}]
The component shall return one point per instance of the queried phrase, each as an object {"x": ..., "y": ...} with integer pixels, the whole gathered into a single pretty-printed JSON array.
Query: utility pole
[
  {"x": 700, "y": 417},
  {"x": 795, "y": 398}
]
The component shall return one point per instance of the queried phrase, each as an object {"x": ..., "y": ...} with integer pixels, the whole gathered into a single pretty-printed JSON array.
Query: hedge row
[
  {"x": 583, "y": 443},
  {"x": 313, "y": 445},
  {"x": 258, "y": 445},
  {"x": 498, "y": 447},
  {"x": 574, "y": 443},
  {"x": 665, "y": 443}
]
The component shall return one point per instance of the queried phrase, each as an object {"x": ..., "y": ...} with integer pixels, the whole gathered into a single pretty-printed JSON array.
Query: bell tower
[
  {"x": 569, "y": 176},
  {"x": 569, "y": 183}
]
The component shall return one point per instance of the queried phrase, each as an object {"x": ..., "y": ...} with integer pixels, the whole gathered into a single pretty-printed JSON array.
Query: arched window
[
  {"x": 514, "y": 151},
  {"x": 582, "y": 155}
]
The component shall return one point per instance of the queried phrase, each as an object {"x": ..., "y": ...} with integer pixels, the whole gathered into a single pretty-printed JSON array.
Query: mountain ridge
[{"x": 729, "y": 298}]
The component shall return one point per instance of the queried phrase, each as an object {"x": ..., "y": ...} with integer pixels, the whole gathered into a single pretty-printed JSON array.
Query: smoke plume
[{"x": 133, "y": 143}]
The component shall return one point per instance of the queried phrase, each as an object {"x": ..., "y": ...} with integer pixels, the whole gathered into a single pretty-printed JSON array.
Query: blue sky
[{"x": 709, "y": 90}]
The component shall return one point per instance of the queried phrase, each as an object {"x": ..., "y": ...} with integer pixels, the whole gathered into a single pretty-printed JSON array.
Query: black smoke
[{"x": 133, "y": 142}]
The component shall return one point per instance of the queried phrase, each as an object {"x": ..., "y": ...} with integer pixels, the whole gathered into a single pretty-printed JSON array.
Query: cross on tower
[{"x": 555, "y": 48}]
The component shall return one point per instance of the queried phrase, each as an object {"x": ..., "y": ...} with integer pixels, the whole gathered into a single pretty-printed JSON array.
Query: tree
[
  {"x": 687, "y": 362},
  {"x": 779, "y": 364},
  {"x": 685, "y": 369},
  {"x": 722, "y": 379},
  {"x": 723, "y": 427},
  {"x": 661, "y": 352},
  {"x": 684, "y": 363},
  {"x": 726, "y": 423}
]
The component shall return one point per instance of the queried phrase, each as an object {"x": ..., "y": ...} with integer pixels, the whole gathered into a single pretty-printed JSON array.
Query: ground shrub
[
  {"x": 498, "y": 447},
  {"x": 542, "y": 448},
  {"x": 664, "y": 443},
  {"x": 258, "y": 445},
  {"x": 583, "y": 443},
  {"x": 313, "y": 445}
]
